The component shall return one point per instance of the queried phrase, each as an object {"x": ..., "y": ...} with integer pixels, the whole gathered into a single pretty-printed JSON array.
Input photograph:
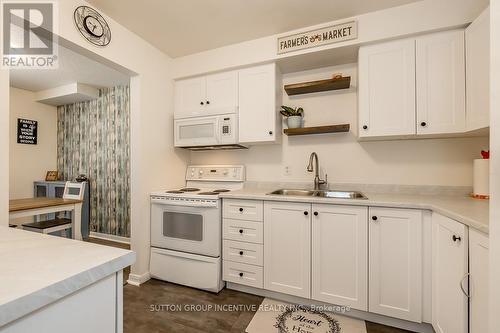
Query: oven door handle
[{"x": 194, "y": 203}]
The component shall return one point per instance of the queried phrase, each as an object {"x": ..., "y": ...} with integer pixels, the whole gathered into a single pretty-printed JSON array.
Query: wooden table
[{"x": 37, "y": 206}]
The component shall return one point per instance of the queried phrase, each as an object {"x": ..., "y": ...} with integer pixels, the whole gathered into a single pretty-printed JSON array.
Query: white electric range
[{"x": 186, "y": 227}]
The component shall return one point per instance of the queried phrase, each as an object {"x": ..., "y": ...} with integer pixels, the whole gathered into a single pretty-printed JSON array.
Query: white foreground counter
[{"x": 53, "y": 284}]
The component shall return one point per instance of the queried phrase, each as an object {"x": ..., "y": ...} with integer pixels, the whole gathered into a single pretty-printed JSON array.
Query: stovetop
[{"x": 207, "y": 182}]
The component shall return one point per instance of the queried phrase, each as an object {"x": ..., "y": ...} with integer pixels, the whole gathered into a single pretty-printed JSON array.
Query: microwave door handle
[{"x": 218, "y": 131}]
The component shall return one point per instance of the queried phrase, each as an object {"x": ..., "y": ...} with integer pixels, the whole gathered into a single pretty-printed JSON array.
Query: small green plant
[{"x": 287, "y": 111}]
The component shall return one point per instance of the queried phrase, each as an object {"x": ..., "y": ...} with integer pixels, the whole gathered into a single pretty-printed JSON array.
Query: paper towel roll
[{"x": 481, "y": 177}]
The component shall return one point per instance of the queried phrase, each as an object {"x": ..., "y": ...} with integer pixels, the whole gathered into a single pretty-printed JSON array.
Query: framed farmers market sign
[{"x": 314, "y": 38}]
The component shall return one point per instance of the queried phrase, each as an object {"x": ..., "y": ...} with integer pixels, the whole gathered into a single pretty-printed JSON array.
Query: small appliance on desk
[{"x": 186, "y": 227}]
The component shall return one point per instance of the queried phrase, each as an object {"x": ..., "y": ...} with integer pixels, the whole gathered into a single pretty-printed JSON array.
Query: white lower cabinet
[
  {"x": 449, "y": 276},
  {"x": 479, "y": 282},
  {"x": 287, "y": 248},
  {"x": 395, "y": 261},
  {"x": 340, "y": 255}
]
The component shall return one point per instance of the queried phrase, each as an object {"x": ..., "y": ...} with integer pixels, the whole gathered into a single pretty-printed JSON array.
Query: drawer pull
[
  {"x": 241, "y": 231},
  {"x": 241, "y": 274},
  {"x": 241, "y": 210},
  {"x": 241, "y": 253}
]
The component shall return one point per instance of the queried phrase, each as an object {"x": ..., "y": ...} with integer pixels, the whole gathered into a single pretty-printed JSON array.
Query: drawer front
[
  {"x": 248, "y": 275},
  {"x": 245, "y": 231},
  {"x": 252, "y": 210},
  {"x": 246, "y": 253}
]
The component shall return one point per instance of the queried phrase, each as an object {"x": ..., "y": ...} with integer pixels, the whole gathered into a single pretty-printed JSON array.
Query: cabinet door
[
  {"x": 287, "y": 248},
  {"x": 257, "y": 104},
  {"x": 387, "y": 89},
  {"x": 340, "y": 255},
  {"x": 441, "y": 83},
  {"x": 222, "y": 93},
  {"x": 449, "y": 270},
  {"x": 479, "y": 282},
  {"x": 395, "y": 277},
  {"x": 190, "y": 97},
  {"x": 477, "y": 45}
]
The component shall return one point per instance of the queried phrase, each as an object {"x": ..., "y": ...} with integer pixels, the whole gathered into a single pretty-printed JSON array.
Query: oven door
[{"x": 188, "y": 229}]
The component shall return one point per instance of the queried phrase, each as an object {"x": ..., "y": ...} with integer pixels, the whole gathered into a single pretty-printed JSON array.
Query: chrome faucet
[{"x": 317, "y": 181}]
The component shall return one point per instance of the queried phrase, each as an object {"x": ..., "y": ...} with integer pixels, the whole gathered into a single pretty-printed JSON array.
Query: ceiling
[
  {"x": 73, "y": 67},
  {"x": 182, "y": 27}
]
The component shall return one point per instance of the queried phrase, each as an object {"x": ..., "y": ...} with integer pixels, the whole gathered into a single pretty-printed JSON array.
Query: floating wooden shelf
[
  {"x": 318, "y": 130},
  {"x": 317, "y": 86}
]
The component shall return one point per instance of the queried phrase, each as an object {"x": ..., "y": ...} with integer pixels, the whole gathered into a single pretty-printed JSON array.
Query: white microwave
[{"x": 207, "y": 133}]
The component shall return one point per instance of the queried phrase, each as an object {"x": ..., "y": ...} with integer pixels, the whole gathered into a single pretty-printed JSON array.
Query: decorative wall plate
[{"x": 92, "y": 26}]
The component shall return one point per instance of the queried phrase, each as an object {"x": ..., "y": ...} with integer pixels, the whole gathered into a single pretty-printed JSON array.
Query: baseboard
[
  {"x": 358, "y": 314},
  {"x": 113, "y": 238},
  {"x": 138, "y": 279}
]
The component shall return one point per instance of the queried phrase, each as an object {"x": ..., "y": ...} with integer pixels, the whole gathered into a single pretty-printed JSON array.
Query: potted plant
[{"x": 293, "y": 115}]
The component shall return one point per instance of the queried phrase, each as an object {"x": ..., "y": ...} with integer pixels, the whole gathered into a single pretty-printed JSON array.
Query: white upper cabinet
[
  {"x": 190, "y": 96},
  {"x": 449, "y": 276},
  {"x": 440, "y": 64},
  {"x": 395, "y": 263},
  {"x": 222, "y": 93},
  {"x": 477, "y": 45},
  {"x": 414, "y": 86},
  {"x": 479, "y": 281},
  {"x": 387, "y": 89},
  {"x": 340, "y": 255},
  {"x": 258, "y": 100},
  {"x": 287, "y": 248},
  {"x": 206, "y": 95}
]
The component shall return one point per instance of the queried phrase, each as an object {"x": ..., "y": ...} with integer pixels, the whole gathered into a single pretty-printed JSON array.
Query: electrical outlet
[{"x": 287, "y": 171}]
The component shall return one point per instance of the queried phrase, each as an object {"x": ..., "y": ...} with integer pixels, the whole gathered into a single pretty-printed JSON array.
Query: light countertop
[
  {"x": 471, "y": 212},
  {"x": 37, "y": 270}
]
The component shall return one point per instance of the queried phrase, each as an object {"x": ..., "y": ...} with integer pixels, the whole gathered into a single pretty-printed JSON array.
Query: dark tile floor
[{"x": 147, "y": 309}]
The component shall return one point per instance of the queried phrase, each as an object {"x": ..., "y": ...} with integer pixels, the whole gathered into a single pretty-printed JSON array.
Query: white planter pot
[{"x": 294, "y": 122}]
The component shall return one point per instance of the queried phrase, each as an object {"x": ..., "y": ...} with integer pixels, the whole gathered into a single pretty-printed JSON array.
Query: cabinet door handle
[
  {"x": 316, "y": 213},
  {"x": 208, "y": 102},
  {"x": 462, "y": 285},
  {"x": 241, "y": 231},
  {"x": 241, "y": 210},
  {"x": 241, "y": 274},
  {"x": 365, "y": 127},
  {"x": 201, "y": 103},
  {"x": 241, "y": 253},
  {"x": 457, "y": 238},
  {"x": 306, "y": 213},
  {"x": 423, "y": 124},
  {"x": 374, "y": 218},
  {"x": 270, "y": 132}
]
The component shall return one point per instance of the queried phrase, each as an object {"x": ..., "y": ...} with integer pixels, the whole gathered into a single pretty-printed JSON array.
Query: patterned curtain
[{"x": 93, "y": 139}]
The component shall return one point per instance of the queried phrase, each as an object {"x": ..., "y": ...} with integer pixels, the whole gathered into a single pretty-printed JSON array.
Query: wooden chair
[{"x": 71, "y": 191}]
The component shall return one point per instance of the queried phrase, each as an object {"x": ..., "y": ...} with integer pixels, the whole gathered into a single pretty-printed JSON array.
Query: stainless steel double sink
[{"x": 333, "y": 194}]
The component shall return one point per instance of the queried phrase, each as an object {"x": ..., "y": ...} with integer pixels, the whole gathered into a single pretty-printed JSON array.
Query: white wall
[
  {"x": 412, "y": 162},
  {"x": 495, "y": 168},
  {"x": 28, "y": 163},
  {"x": 418, "y": 17},
  {"x": 4, "y": 147}
]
